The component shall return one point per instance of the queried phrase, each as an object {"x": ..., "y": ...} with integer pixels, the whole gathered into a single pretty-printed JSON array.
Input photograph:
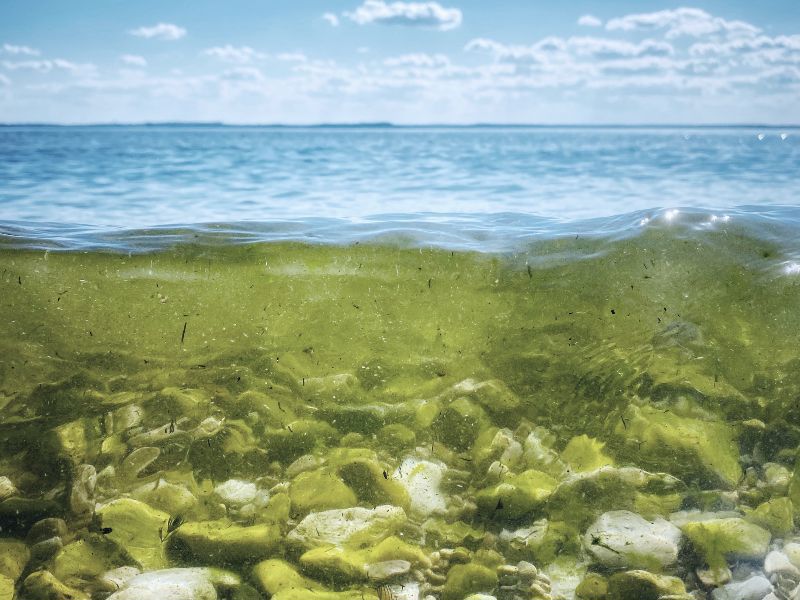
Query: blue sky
[{"x": 455, "y": 61}]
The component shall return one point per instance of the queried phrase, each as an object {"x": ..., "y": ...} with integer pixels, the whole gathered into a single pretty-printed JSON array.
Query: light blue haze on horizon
[{"x": 454, "y": 61}]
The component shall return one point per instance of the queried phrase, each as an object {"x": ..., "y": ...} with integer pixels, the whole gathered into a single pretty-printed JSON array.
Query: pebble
[{"x": 755, "y": 588}]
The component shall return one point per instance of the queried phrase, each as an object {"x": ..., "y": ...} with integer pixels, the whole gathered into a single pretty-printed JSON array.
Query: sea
[{"x": 399, "y": 363}]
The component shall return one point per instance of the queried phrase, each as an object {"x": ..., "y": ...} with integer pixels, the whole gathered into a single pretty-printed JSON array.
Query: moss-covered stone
[
  {"x": 354, "y": 527},
  {"x": 17, "y": 515},
  {"x": 718, "y": 540},
  {"x": 6, "y": 588},
  {"x": 318, "y": 490},
  {"x": 42, "y": 585},
  {"x": 137, "y": 528},
  {"x": 583, "y": 453},
  {"x": 776, "y": 515},
  {"x": 699, "y": 450},
  {"x": 396, "y": 437},
  {"x": 274, "y": 576},
  {"x": 471, "y": 578},
  {"x": 371, "y": 483},
  {"x": 459, "y": 423},
  {"x": 516, "y": 495},
  {"x": 82, "y": 561},
  {"x": 447, "y": 535},
  {"x": 642, "y": 585},
  {"x": 592, "y": 587},
  {"x": 303, "y": 436},
  {"x": 14, "y": 556},
  {"x": 225, "y": 543}
]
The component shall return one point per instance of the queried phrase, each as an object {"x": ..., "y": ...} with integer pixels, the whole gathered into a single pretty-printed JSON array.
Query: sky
[{"x": 346, "y": 61}]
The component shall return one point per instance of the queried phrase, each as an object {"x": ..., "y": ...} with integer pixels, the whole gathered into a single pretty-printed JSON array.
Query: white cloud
[
  {"x": 161, "y": 31},
  {"x": 46, "y": 66},
  {"x": 418, "y": 60},
  {"x": 693, "y": 22},
  {"x": 331, "y": 18},
  {"x": 232, "y": 54},
  {"x": 133, "y": 60},
  {"x": 590, "y": 21},
  {"x": 26, "y": 50},
  {"x": 292, "y": 57},
  {"x": 560, "y": 50},
  {"x": 420, "y": 14}
]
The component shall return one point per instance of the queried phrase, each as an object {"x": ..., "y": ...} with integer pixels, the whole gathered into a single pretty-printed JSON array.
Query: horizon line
[{"x": 391, "y": 125}]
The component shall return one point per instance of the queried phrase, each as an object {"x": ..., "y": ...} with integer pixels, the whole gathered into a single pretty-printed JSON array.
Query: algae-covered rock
[
  {"x": 353, "y": 526},
  {"x": 642, "y": 585},
  {"x": 321, "y": 489},
  {"x": 396, "y": 437},
  {"x": 583, "y": 453},
  {"x": 422, "y": 480},
  {"x": 699, "y": 450},
  {"x": 306, "y": 594},
  {"x": 6, "y": 588},
  {"x": 470, "y": 578},
  {"x": 624, "y": 539},
  {"x": 136, "y": 527},
  {"x": 516, "y": 495},
  {"x": 83, "y": 561},
  {"x": 42, "y": 585},
  {"x": 14, "y": 556},
  {"x": 718, "y": 540},
  {"x": 178, "y": 584},
  {"x": 371, "y": 483},
  {"x": 303, "y": 436},
  {"x": 274, "y": 576},
  {"x": 776, "y": 515},
  {"x": 459, "y": 423},
  {"x": 7, "y": 488},
  {"x": 224, "y": 542},
  {"x": 171, "y": 498},
  {"x": 447, "y": 535},
  {"x": 493, "y": 395},
  {"x": 592, "y": 587}
]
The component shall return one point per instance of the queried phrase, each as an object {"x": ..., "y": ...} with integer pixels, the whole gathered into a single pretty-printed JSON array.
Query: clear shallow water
[
  {"x": 333, "y": 402},
  {"x": 144, "y": 176}
]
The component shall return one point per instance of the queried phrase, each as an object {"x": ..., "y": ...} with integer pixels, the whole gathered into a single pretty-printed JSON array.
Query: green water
[{"x": 526, "y": 395}]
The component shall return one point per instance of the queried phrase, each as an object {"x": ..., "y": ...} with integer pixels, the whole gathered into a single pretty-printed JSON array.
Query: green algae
[{"x": 531, "y": 392}]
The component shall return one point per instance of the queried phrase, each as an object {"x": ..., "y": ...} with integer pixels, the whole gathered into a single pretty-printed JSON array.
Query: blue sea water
[{"x": 144, "y": 176}]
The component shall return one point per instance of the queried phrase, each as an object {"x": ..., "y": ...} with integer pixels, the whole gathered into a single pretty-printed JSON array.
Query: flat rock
[
  {"x": 348, "y": 526},
  {"x": 177, "y": 584},
  {"x": 754, "y": 588}
]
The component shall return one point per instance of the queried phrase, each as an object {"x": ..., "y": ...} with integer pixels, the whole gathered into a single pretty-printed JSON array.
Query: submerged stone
[
  {"x": 178, "y": 584},
  {"x": 224, "y": 542},
  {"x": 516, "y": 495},
  {"x": 471, "y": 578},
  {"x": 42, "y": 585},
  {"x": 642, "y": 585},
  {"x": 694, "y": 449},
  {"x": 622, "y": 539},
  {"x": 459, "y": 423},
  {"x": 353, "y": 526},
  {"x": 422, "y": 480},
  {"x": 719, "y": 540},
  {"x": 14, "y": 556},
  {"x": 753, "y": 588},
  {"x": 583, "y": 453},
  {"x": 320, "y": 490},
  {"x": 137, "y": 528},
  {"x": 776, "y": 515}
]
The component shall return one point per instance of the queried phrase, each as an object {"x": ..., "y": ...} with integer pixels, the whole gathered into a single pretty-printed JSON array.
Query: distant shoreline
[{"x": 387, "y": 125}]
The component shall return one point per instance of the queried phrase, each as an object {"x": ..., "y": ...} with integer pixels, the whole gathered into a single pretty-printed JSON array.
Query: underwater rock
[
  {"x": 753, "y": 588},
  {"x": 303, "y": 436},
  {"x": 46, "y": 529},
  {"x": 421, "y": 480},
  {"x": 623, "y": 539},
  {"x": 196, "y": 583},
  {"x": 83, "y": 561},
  {"x": 274, "y": 576},
  {"x": 583, "y": 497},
  {"x": 642, "y": 585},
  {"x": 343, "y": 388},
  {"x": 7, "y": 488},
  {"x": 516, "y": 495},
  {"x": 396, "y": 437},
  {"x": 45, "y": 550},
  {"x": 138, "y": 460},
  {"x": 351, "y": 526},
  {"x": 14, "y": 556},
  {"x": 137, "y": 528},
  {"x": 776, "y": 515},
  {"x": 538, "y": 452},
  {"x": 583, "y": 453},
  {"x": 320, "y": 490},
  {"x": 224, "y": 542},
  {"x": 81, "y": 495},
  {"x": 371, "y": 484},
  {"x": 497, "y": 446},
  {"x": 696, "y": 450},
  {"x": 236, "y": 492},
  {"x": 466, "y": 579},
  {"x": 776, "y": 478},
  {"x": 116, "y": 579},
  {"x": 42, "y": 585},
  {"x": 388, "y": 569},
  {"x": 459, "y": 424},
  {"x": 592, "y": 587},
  {"x": 522, "y": 581},
  {"x": 6, "y": 588},
  {"x": 493, "y": 395},
  {"x": 718, "y": 540},
  {"x": 171, "y": 498}
]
